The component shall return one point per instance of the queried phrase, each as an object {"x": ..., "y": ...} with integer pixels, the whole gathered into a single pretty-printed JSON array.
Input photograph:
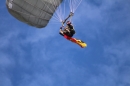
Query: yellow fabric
[{"x": 80, "y": 43}]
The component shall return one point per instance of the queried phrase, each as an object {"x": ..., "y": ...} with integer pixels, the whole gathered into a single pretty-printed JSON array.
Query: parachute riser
[{"x": 70, "y": 15}]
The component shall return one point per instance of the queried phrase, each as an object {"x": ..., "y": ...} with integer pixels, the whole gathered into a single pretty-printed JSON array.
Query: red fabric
[
  {"x": 67, "y": 37},
  {"x": 70, "y": 38}
]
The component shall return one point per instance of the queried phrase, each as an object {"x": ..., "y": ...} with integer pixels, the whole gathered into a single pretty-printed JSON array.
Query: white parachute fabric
[{"x": 33, "y": 12}]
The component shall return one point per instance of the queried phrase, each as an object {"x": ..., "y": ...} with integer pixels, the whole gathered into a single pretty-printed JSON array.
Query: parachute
[
  {"x": 33, "y": 12},
  {"x": 38, "y": 13}
]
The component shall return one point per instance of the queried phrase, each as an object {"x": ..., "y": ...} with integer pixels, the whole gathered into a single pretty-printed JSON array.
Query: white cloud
[{"x": 50, "y": 62}]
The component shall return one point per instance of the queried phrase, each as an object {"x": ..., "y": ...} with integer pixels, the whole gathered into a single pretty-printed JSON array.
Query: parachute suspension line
[
  {"x": 77, "y": 5},
  {"x": 74, "y": 4},
  {"x": 57, "y": 13},
  {"x": 57, "y": 16},
  {"x": 60, "y": 13},
  {"x": 64, "y": 12},
  {"x": 71, "y": 5},
  {"x": 70, "y": 19}
]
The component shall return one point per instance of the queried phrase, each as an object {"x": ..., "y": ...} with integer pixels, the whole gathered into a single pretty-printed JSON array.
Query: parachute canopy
[{"x": 33, "y": 12}]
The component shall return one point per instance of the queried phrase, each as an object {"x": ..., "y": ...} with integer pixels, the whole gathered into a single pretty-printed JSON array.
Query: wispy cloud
[{"x": 33, "y": 57}]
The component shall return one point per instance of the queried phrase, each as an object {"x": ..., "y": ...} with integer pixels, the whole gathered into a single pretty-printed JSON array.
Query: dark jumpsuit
[{"x": 71, "y": 29}]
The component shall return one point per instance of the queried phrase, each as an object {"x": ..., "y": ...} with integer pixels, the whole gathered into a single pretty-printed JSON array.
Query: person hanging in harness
[{"x": 68, "y": 30}]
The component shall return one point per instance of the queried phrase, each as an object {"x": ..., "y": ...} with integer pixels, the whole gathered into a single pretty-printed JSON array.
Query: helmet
[{"x": 68, "y": 22}]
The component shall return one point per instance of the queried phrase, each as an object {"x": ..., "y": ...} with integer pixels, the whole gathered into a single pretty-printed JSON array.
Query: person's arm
[
  {"x": 70, "y": 15},
  {"x": 67, "y": 30}
]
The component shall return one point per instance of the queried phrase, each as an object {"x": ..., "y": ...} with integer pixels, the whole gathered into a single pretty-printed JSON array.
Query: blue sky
[{"x": 41, "y": 57}]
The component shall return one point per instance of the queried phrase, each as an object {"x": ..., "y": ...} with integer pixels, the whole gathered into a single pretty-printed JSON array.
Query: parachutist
[
  {"x": 68, "y": 33},
  {"x": 68, "y": 30}
]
